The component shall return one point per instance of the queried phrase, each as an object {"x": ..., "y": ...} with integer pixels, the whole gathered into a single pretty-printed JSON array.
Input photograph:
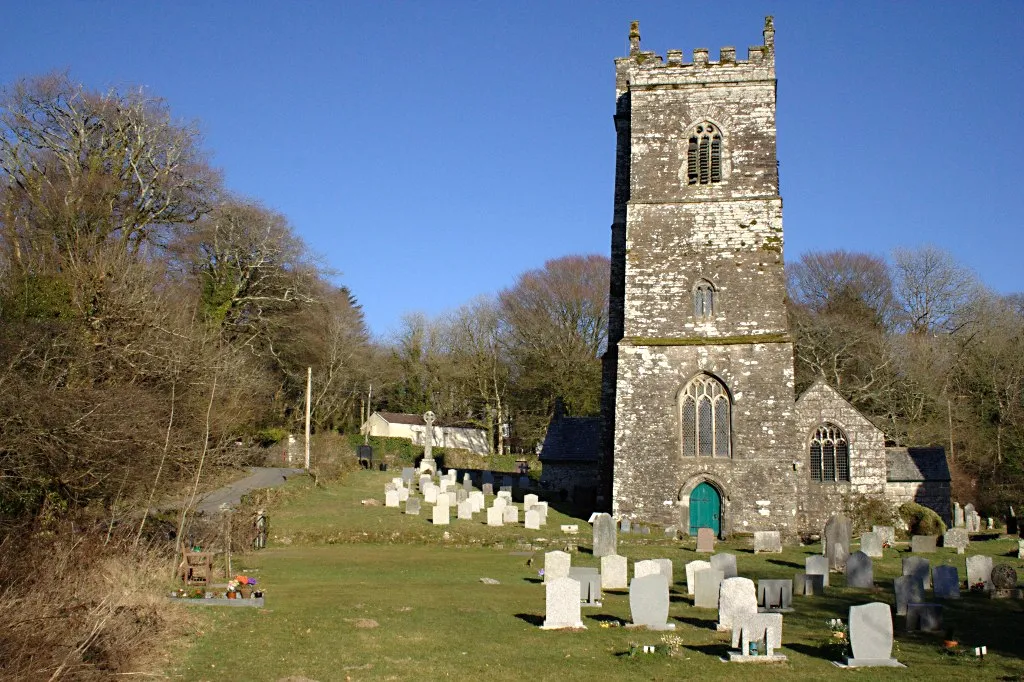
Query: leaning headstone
[
  {"x": 605, "y": 542},
  {"x": 706, "y": 588},
  {"x": 532, "y": 520},
  {"x": 859, "y": 571},
  {"x": 412, "y": 506},
  {"x": 958, "y": 538},
  {"x": 556, "y": 565},
  {"x": 871, "y": 545},
  {"x": 510, "y": 514},
  {"x": 887, "y": 534},
  {"x": 646, "y": 567},
  {"x": 441, "y": 515},
  {"x": 923, "y": 544},
  {"x": 774, "y": 595},
  {"x": 590, "y": 584},
  {"x": 726, "y": 563},
  {"x": 648, "y": 602},
  {"x": 924, "y": 617},
  {"x": 705, "y": 540},
  {"x": 614, "y": 572},
  {"x": 909, "y": 590},
  {"x": 836, "y": 541},
  {"x": 465, "y": 510},
  {"x": 945, "y": 582},
  {"x": 562, "y": 604},
  {"x": 767, "y": 541},
  {"x": 817, "y": 565},
  {"x": 919, "y": 568},
  {"x": 760, "y": 632},
  {"x": 870, "y": 628},
  {"x": 737, "y": 599},
  {"x": 979, "y": 571},
  {"x": 391, "y": 498},
  {"x": 494, "y": 516},
  {"x": 691, "y": 569}
]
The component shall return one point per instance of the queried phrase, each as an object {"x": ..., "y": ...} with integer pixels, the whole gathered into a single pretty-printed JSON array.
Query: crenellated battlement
[{"x": 653, "y": 68}]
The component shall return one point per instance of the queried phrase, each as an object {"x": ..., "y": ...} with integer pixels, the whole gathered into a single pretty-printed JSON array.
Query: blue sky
[{"x": 433, "y": 151}]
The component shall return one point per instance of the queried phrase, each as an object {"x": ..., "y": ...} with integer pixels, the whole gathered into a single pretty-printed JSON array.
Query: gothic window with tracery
[
  {"x": 704, "y": 304},
  {"x": 704, "y": 155},
  {"x": 705, "y": 418},
  {"x": 830, "y": 455}
]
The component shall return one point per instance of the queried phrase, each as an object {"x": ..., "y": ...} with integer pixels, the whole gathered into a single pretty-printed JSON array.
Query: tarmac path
[{"x": 261, "y": 477}]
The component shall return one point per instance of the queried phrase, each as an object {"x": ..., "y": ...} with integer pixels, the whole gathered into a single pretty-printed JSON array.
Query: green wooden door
[{"x": 705, "y": 509}]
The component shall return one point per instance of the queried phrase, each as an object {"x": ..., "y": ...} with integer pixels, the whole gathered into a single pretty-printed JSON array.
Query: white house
[{"x": 413, "y": 428}]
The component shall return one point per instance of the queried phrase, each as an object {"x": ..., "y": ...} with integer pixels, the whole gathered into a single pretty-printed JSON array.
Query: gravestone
[
  {"x": 499, "y": 503},
  {"x": 945, "y": 582},
  {"x": 461, "y": 495},
  {"x": 645, "y": 530},
  {"x": 971, "y": 519},
  {"x": 487, "y": 488},
  {"x": 465, "y": 510},
  {"x": 648, "y": 602},
  {"x": 800, "y": 584},
  {"x": 726, "y": 563},
  {"x": 443, "y": 500},
  {"x": 836, "y": 541},
  {"x": 909, "y": 590},
  {"x": 441, "y": 515},
  {"x": 691, "y": 568},
  {"x": 430, "y": 494},
  {"x": 958, "y": 515},
  {"x": 494, "y": 516},
  {"x": 665, "y": 565},
  {"x": 444, "y": 485},
  {"x": 919, "y": 568},
  {"x": 423, "y": 481},
  {"x": 775, "y": 595},
  {"x": 870, "y": 628},
  {"x": 506, "y": 493},
  {"x": 768, "y": 541},
  {"x": 860, "y": 572},
  {"x": 412, "y": 506},
  {"x": 646, "y": 567},
  {"x": 590, "y": 584},
  {"x": 408, "y": 474},
  {"x": 887, "y": 534},
  {"x": 1012, "y": 526},
  {"x": 1020, "y": 548},
  {"x": 532, "y": 519},
  {"x": 1004, "y": 582},
  {"x": 403, "y": 494},
  {"x": 428, "y": 463},
  {"x": 871, "y": 545},
  {"x": 979, "y": 570},
  {"x": 924, "y": 617},
  {"x": 737, "y": 599},
  {"x": 705, "y": 540},
  {"x": 391, "y": 498},
  {"x": 605, "y": 541},
  {"x": 625, "y": 525},
  {"x": 706, "y": 587},
  {"x": 817, "y": 565},
  {"x": 614, "y": 572},
  {"x": 762, "y": 631},
  {"x": 562, "y": 604},
  {"x": 956, "y": 537},
  {"x": 529, "y": 500},
  {"x": 923, "y": 544},
  {"x": 476, "y": 498},
  {"x": 510, "y": 514},
  {"x": 557, "y": 565},
  {"x": 814, "y": 584}
]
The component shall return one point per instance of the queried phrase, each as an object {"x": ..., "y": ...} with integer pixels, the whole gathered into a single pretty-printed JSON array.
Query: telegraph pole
[{"x": 309, "y": 394}]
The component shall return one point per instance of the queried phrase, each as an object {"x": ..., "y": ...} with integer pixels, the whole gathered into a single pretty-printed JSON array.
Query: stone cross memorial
[
  {"x": 428, "y": 463},
  {"x": 958, "y": 538}
]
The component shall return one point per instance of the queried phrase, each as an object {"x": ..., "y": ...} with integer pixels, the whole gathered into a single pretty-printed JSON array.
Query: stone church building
[{"x": 700, "y": 425}]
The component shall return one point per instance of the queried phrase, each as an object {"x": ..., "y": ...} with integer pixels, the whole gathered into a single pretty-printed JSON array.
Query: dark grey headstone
[
  {"x": 946, "y": 582},
  {"x": 814, "y": 585},
  {"x": 919, "y": 568},
  {"x": 799, "y": 584},
  {"x": 923, "y": 544},
  {"x": 648, "y": 602},
  {"x": 775, "y": 594},
  {"x": 590, "y": 584},
  {"x": 926, "y": 617},
  {"x": 871, "y": 635},
  {"x": 408, "y": 473},
  {"x": 837, "y": 538},
  {"x": 859, "y": 571},
  {"x": 412, "y": 506},
  {"x": 909, "y": 590},
  {"x": 605, "y": 537},
  {"x": 726, "y": 563}
]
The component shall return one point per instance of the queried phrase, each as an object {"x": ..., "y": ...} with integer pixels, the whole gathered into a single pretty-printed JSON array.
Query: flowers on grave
[
  {"x": 838, "y": 641},
  {"x": 978, "y": 587}
]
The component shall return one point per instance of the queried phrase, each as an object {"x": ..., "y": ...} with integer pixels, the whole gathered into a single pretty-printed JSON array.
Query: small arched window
[
  {"x": 704, "y": 304},
  {"x": 705, "y": 418},
  {"x": 830, "y": 455},
  {"x": 704, "y": 155}
]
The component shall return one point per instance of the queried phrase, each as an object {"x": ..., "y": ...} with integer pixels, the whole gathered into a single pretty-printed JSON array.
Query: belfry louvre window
[
  {"x": 704, "y": 155},
  {"x": 705, "y": 418},
  {"x": 704, "y": 300},
  {"x": 830, "y": 455}
]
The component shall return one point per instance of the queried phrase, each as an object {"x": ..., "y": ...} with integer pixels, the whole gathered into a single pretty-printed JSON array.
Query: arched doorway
[{"x": 705, "y": 509}]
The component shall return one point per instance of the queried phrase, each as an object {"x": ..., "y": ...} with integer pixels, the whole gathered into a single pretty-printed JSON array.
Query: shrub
[
  {"x": 921, "y": 520},
  {"x": 866, "y": 512}
]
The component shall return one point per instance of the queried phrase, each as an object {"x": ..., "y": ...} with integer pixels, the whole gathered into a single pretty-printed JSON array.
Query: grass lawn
[{"x": 366, "y": 593}]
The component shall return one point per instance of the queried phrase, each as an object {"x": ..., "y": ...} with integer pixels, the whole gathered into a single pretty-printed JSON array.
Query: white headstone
[
  {"x": 532, "y": 520},
  {"x": 529, "y": 500},
  {"x": 562, "y": 604},
  {"x": 646, "y": 567},
  {"x": 494, "y": 516},
  {"x": 979, "y": 571},
  {"x": 391, "y": 498},
  {"x": 465, "y": 510},
  {"x": 557, "y": 565},
  {"x": 649, "y": 601},
  {"x": 614, "y": 572},
  {"x": 737, "y": 599},
  {"x": 510, "y": 514},
  {"x": 691, "y": 568},
  {"x": 441, "y": 515}
]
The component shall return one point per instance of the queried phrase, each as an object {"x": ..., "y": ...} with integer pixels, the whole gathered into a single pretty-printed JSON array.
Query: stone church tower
[{"x": 699, "y": 413}]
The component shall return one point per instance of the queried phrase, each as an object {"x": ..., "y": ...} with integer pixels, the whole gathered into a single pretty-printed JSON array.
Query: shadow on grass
[
  {"x": 787, "y": 564},
  {"x": 697, "y": 622},
  {"x": 605, "y": 618},
  {"x": 534, "y": 580},
  {"x": 584, "y": 550},
  {"x": 680, "y": 599},
  {"x": 531, "y": 618},
  {"x": 716, "y": 650},
  {"x": 810, "y": 650}
]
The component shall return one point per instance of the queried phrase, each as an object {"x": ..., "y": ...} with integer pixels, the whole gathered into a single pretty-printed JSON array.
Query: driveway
[{"x": 261, "y": 477}]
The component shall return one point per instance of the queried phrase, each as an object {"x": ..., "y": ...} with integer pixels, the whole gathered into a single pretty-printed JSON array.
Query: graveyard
[{"x": 358, "y": 590}]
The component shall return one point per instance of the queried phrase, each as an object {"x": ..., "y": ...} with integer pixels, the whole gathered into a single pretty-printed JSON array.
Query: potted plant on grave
[{"x": 244, "y": 585}]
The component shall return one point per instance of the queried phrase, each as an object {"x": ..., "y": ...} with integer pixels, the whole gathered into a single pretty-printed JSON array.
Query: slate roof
[
  {"x": 572, "y": 439},
  {"x": 399, "y": 418},
  {"x": 916, "y": 464}
]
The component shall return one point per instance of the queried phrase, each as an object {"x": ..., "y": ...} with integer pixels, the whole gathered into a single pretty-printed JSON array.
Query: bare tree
[{"x": 934, "y": 292}]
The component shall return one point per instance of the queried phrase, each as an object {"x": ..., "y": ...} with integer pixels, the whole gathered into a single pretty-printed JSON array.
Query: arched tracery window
[
  {"x": 704, "y": 303},
  {"x": 704, "y": 155},
  {"x": 830, "y": 455},
  {"x": 705, "y": 418}
]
